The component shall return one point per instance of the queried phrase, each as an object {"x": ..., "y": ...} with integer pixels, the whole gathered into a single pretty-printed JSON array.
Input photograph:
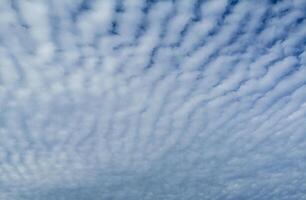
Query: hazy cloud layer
[{"x": 105, "y": 99}]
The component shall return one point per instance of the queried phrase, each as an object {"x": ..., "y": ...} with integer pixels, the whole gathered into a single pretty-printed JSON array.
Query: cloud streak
[{"x": 152, "y": 99}]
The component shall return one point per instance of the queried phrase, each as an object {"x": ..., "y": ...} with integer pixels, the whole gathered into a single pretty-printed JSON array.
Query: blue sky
[{"x": 106, "y": 99}]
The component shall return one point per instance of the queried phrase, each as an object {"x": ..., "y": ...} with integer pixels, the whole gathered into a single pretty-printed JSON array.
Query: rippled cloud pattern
[{"x": 152, "y": 99}]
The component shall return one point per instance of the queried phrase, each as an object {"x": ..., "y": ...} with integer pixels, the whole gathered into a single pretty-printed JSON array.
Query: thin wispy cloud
[{"x": 173, "y": 99}]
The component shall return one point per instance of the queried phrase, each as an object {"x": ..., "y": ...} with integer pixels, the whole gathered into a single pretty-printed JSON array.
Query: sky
[{"x": 152, "y": 100}]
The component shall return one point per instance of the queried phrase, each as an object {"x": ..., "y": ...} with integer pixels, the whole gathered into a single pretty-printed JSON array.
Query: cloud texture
[{"x": 105, "y": 99}]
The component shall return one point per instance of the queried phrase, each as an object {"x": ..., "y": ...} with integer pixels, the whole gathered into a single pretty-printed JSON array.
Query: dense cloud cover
[{"x": 135, "y": 99}]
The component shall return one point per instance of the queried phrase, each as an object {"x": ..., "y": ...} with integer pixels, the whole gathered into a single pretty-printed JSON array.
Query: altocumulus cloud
[{"x": 172, "y": 99}]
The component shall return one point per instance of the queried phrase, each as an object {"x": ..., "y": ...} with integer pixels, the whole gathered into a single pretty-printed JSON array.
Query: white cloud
[{"x": 152, "y": 100}]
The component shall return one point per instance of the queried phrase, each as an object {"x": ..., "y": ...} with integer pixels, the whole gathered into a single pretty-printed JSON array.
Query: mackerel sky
[{"x": 152, "y": 100}]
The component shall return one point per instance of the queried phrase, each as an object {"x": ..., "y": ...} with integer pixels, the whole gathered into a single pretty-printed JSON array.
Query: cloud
[{"x": 152, "y": 99}]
